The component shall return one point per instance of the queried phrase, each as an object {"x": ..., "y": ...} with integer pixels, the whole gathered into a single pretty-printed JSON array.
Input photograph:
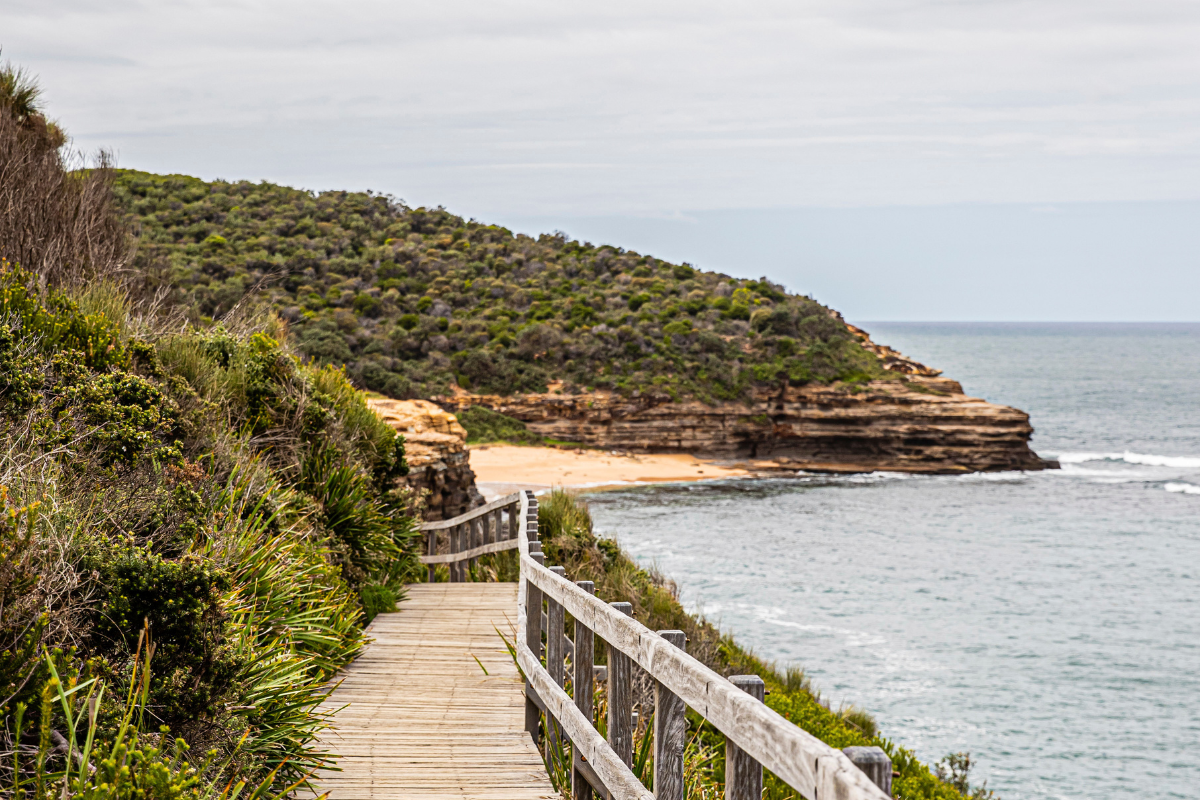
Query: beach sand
[{"x": 502, "y": 469}]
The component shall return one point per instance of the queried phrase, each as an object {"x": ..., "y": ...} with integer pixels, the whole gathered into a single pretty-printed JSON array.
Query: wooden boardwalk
[{"x": 418, "y": 716}]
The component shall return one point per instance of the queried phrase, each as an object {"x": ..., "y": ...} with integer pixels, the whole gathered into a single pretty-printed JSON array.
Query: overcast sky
[{"x": 895, "y": 158}]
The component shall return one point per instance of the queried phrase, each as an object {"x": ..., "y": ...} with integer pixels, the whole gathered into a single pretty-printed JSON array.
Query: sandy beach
[{"x": 501, "y": 469}]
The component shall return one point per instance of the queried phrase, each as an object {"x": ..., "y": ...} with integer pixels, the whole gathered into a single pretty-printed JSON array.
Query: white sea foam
[
  {"x": 1003, "y": 475},
  {"x": 1142, "y": 459},
  {"x": 1183, "y": 488},
  {"x": 1073, "y": 471}
]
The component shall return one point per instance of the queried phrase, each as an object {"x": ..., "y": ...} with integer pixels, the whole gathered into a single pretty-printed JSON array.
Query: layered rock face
[
  {"x": 921, "y": 424},
  {"x": 436, "y": 450}
]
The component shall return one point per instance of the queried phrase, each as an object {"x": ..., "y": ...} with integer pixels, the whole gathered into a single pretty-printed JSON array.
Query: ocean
[{"x": 1046, "y": 622}]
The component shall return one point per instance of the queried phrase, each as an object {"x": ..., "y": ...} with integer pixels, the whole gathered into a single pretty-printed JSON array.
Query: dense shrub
[
  {"x": 194, "y": 520},
  {"x": 415, "y": 301},
  {"x": 485, "y": 425}
]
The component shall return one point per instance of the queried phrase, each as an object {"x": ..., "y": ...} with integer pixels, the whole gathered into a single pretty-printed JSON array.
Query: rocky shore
[
  {"x": 921, "y": 424},
  {"x": 436, "y": 450}
]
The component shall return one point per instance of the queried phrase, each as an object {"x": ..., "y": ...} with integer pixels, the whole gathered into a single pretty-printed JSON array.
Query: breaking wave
[{"x": 1142, "y": 459}]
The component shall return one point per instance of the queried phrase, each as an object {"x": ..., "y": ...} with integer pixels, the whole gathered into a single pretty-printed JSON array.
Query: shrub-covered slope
[
  {"x": 194, "y": 522},
  {"x": 202, "y": 493},
  {"x": 416, "y": 300}
]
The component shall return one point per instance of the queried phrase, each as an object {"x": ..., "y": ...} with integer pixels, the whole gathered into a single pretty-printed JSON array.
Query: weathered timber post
[
  {"x": 875, "y": 763},
  {"x": 452, "y": 538},
  {"x": 620, "y": 697},
  {"x": 533, "y": 609},
  {"x": 582, "y": 666},
  {"x": 493, "y": 528},
  {"x": 514, "y": 509},
  {"x": 670, "y": 733},
  {"x": 531, "y": 517},
  {"x": 477, "y": 537},
  {"x": 743, "y": 775},
  {"x": 459, "y": 545},
  {"x": 556, "y": 648},
  {"x": 431, "y": 550}
]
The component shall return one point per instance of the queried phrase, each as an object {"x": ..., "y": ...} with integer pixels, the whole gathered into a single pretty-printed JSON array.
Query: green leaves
[{"x": 408, "y": 300}]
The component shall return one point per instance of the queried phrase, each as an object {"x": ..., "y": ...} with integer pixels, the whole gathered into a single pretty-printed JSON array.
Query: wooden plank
[
  {"x": 417, "y": 717},
  {"x": 744, "y": 775},
  {"x": 670, "y": 733},
  {"x": 620, "y": 697},
  {"x": 584, "y": 681}
]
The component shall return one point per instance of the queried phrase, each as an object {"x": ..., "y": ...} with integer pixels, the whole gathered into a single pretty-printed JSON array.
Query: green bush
[
  {"x": 484, "y": 425},
  {"x": 414, "y": 302},
  {"x": 377, "y": 600}
]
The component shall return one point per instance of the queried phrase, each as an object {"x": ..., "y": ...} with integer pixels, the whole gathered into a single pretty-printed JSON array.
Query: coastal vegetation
[
  {"x": 414, "y": 301},
  {"x": 483, "y": 425},
  {"x": 195, "y": 522}
]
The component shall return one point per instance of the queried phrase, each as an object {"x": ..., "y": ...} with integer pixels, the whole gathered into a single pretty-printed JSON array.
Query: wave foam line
[
  {"x": 1182, "y": 488},
  {"x": 1146, "y": 460}
]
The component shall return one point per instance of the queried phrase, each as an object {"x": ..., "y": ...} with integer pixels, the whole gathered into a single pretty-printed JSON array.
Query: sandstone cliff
[
  {"x": 436, "y": 450},
  {"x": 918, "y": 424}
]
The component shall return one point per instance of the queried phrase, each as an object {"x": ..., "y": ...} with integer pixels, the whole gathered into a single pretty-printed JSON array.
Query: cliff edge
[
  {"x": 922, "y": 424},
  {"x": 435, "y": 447}
]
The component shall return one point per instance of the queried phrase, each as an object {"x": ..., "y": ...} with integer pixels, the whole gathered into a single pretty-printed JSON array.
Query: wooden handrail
[
  {"x": 811, "y": 767},
  {"x": 469, "y": 534},
  {"x": 474, "y": 552},
  {"x": 474, "y": 513}
]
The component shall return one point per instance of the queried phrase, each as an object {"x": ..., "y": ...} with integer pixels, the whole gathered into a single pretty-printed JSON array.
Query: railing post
[
  {"x": 531, "y": 517},
  {"x": 875, "y": 763},
  {"x": 670, "y": 733},
  {"x": 582, "y": 665},
  {"x": 431, "y": 550},
  {"x": 476, "y": 539},
  {"x": 514, "y": 510},
  {"x": 456, "y": 544},
  {"x": 743, "y": 775},
  {"x": 555, "y": 649},
  {"x": 620, "y": 697},
  {"x": 533, "y": 617}
]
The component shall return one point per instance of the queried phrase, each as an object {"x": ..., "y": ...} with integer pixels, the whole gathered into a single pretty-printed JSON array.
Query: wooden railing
[
  {"x": 756, "y": 736},
  {"x": 492, "y": 528}
]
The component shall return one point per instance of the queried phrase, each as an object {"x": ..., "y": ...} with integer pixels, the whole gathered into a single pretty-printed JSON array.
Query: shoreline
[{"x": 503, "y": 468}]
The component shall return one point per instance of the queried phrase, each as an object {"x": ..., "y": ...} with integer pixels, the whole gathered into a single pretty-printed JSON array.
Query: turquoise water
[{"x": 1048, "y": 623}]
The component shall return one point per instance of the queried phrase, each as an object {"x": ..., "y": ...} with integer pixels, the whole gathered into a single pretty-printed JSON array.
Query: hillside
[
  {"x": 195, "y": 523},
  {"x": 417, "y": 301}
]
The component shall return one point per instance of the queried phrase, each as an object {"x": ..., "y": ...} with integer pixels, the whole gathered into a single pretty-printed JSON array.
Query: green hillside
[
  {"x": 195, "y": 523},
  {"x": 415, "y": 300}
]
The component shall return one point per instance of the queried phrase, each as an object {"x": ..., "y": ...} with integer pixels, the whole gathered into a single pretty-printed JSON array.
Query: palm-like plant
[{"x": 20, "y": 94}]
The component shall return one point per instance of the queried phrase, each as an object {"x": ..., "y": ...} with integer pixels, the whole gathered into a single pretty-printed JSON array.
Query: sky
[{"x": 897, "y": 159}]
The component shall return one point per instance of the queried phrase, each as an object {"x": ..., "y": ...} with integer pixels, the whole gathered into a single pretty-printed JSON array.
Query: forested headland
[{"x": 414, "y": 301}]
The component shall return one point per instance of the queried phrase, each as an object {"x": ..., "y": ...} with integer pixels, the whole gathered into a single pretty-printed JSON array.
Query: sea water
[{"x": 1046, "y": 622}]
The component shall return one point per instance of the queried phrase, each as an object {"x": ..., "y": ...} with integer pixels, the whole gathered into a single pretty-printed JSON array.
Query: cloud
[{"x": 531, "y": 107}]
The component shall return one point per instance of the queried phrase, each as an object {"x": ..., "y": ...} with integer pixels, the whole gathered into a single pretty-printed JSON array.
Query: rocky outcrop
[
  {"x": 436, "y": 450},
  {"x": 917, "y": 424},
  {"x": 892, "y": 360}
]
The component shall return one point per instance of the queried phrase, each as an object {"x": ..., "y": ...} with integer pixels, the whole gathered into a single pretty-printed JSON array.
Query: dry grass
[{"x": 57, "y": 219}]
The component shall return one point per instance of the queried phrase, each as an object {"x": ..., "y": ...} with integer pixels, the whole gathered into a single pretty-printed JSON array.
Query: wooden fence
[{"x": 756, "y": 736}]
